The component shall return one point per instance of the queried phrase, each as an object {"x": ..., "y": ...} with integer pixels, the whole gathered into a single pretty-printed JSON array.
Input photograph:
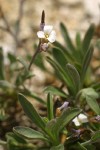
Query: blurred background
[{"x": 75, "y": 14}]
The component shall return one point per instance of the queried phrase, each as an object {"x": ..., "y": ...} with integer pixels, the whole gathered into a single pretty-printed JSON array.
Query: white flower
[
  {"x": 80, "y": 119},
  {"x": 76, "y": 121},
  {"x": 47, "y": 33}
]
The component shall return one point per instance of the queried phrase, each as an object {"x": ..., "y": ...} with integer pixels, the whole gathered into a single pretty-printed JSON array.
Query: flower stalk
[
  {"x": 46, "y": 36},
  {"x": 38, "y": 48}
]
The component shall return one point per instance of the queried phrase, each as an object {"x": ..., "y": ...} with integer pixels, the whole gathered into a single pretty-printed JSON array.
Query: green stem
[
  {"x": 34, "y": 55},
  {"x": 86, "y": 143}
]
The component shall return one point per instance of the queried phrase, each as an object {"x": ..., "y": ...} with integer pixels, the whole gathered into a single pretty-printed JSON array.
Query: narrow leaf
[
  {"x": 87, "y": 38},
  {"x": 56, "y": 125},
  {"x": 55, "y": 91},
  {"x": 39, "y": 62},
  {"x": 59, "y": 57},
  {"x": 59, "y": 70},
  {"x": 67, "y": 38},
  {"x": 15, "y": 142},
  {"x": 30, "y": 94},
  {"x": 12, "y": 58},
  {"x": 29, "y": 133},
  {"x": 78, "y": 42},
  {"x": 30, "y": 111},
  {"x": 65, "y": 118},
  {"x": 62, "y": 74},
  {"x": 15, "y": 138},
  {"x": 50, "y": 107},
  {"x": 93, "y": 105},
  {"x": 58, "y": 46},
  {"x": 74, "y": 75},
  {"x": 90, "y": 95},
  {"x": 86, "y": 62}
]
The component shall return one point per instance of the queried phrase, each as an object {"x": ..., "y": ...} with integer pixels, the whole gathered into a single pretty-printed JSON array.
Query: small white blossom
[
  {"x": 76, "y": 121},
  {"x": 81, "y": 118},
  {"x": 48, "y": 33}
]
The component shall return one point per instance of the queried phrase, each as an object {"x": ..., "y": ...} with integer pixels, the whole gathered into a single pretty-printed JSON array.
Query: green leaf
[
  {"x": 12, "y": 58},
  {"x": 59, "y": 70},
  {"x": 2, "y": 76},
  {"x": 62, "y": 74},
  {"x": 29, "y": 133},
  {"x": 74, "y": 76},
  {"x": 96, "y": 86},
  {"x": 90, "y": 95},
  {"x": 86, "y": 62},
  {"x": 65, "y": 118},
  {"x": 37, "y": 98},
  {"x": 55, "y": 91},
  {"x": 15, "y": 142},
  {"x": 39, "y": 62},
  {"x": 11, "y": 136},
  {"x": 5, "y": 84},
  {"x": 93, "y": 105},
  {"x": 79, "y": 53},
  {"x": 30, "y": 94},
  {"x": 50, "y": 107},
  {"x": 69, "y": 57},
  {"x": 87, "y": 38},
  {"x": 22, "y": 61},
  {"x": 59, "y": 147},
  {"x": 78, "y": 42},
  {"x": 67, "y": 38},
  {"x": 55, "y": 126},
  {"x": 20, "y": 79},
  {"x": 95, "y": 137},
  {"x": 59, "y": 56},
  {"x": 3, "y": 115},
  {"x": 31, "y": 112},
  {"x": 59, "y": 45},
  {"x": 23, "y": 76}
]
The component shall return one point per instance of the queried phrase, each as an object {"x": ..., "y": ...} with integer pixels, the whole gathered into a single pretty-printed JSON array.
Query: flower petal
[
  {"x": 48, "y": 29},
  {"x": 53, "y": 33},
  {"x": 52, "y": 37},
  {"x": 40, "y": 34},
  {"x": 83, "y": 118},
  {"x": 76, "y": 121}
]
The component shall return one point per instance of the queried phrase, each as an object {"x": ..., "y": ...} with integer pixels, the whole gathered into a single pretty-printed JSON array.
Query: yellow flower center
[{"x": 46, "y": 35}]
